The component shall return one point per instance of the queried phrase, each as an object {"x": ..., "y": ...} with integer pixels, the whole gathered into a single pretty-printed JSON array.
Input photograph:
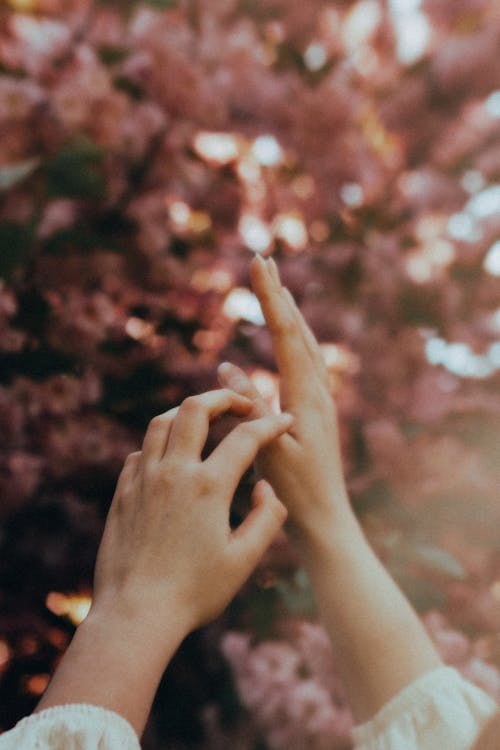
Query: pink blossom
[
  {"x": 34, "y": 43},
  {"x": 143, "y": 122},
  {"x": 18, "y": 99},
  {"x": 83, "y": 441},
  {"x": 288, "y": 688},
  {"x": 150, "y": 212},
  {"x": 81, "y": 321},
  {"x": 21, "y": 476},
  {"x": 58, "y": 214},
  {"x": 465, "y": 61},
  {"x": 83, "y": 84},
  {"x": 108, "y": 29}
]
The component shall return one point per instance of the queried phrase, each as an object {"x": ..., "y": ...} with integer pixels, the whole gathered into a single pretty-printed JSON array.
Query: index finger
[
  {"x": 191, "y": 425},
  {"x": 236, "y": 453}
]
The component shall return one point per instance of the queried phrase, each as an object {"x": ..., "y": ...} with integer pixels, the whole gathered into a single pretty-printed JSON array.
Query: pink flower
[
  {"x": 150, "y": 212},
  {"x": 287, "y": 686},
  {"x": 108, "y": 29},
  {"x": 81, "y": 321},
  {"x": 83, "y": 441},
  {"x": 57, "y": 215},
  {"x": 83, "y": 83},
  {"x": 20, "y": 476},
  {"x": 18, "y": 98},
  {"x": 467, "y": 61},
  {"x": 143, "y": 122},
  {"x": 34, "y": 43}
]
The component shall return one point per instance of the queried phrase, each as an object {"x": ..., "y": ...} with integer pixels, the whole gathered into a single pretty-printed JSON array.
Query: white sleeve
[
  {"x": 77, "y": 726},
  {"x": 440, "y": 709}
]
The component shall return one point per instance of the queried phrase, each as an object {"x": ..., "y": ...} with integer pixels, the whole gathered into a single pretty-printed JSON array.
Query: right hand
[
  {"x": 167, "y": 547},
  {"x": 304, "y": 466}
]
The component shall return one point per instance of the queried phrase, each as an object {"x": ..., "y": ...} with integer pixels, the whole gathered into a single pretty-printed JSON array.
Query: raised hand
[
  {"x": 167, "y": 543},
  {"x": 304, "y": 466},
  {"x": 168, "y": 560},
  {"x": 380, "y": 644}
]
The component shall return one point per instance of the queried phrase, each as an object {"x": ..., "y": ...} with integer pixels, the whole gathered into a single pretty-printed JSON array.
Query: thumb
[{"x": 252, "y": 538}]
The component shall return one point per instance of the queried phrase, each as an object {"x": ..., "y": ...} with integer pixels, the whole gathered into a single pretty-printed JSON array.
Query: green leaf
[
  {"x": 13, "y": 174},
  {"x": 297, "y": 594},
  {"x": 112, "y": 55},
  {"x": 75, "y": 171},
  {"x": 439, "y": 561},
  {"x": 74, "y": 239},
  {"x": 15, "y": 247},
  {"x": 423, "y": 595},
  {"x": 162, "y": 4}
]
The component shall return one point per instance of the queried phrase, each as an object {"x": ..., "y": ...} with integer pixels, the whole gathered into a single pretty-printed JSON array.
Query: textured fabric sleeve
[
  {"x": 440, "y": 709},
  {"x": 71, "y": 727}
]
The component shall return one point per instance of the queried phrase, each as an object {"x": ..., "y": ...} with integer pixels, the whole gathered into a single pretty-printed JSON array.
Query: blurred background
[{"x": 147, "y": 151}]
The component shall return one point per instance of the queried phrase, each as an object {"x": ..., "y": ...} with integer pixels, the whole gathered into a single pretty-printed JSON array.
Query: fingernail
[
  {"x": 273, "y": 263},
  {"x": 286, "y": 418},
  {"x": 274, "y": 275},
  {"x": 260, "y": 259},
  {"x": 225, "y": 368}
]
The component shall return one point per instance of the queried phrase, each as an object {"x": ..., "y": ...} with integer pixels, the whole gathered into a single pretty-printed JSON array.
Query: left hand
[
  {"x": 167, "y": 547},
  {"x": 304, "y": 465}
]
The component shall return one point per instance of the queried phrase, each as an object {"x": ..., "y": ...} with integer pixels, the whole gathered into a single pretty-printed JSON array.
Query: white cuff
[
  {"x": 71, "y": 725},
  {"x": 438, "y": 709}
]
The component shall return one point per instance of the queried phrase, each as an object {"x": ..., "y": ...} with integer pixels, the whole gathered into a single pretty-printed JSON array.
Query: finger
[
  {"x": 309, "y": 337},
  {"x": 252, "y": 538},
  {"x": 235, "y": 454},
  {"x": 189, "y": 431},
  {"x": 127, "y": 480},
  {"x": 231, "y": 376},
  {"x": 274, "y": 272},
  {"x": 292, "y": 355},
  {"x": 129, "y": 472},
  {"x": 157, "y": 434}
]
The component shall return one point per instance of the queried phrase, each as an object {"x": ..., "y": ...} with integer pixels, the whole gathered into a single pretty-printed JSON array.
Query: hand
[
  {"x": 380, "y": 644},
  {"x": 304, "y": 466},
  {"x": 168, "y": 550}
]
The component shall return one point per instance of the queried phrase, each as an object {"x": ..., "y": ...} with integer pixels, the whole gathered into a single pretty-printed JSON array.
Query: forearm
[
  {"x": 115, "y": 661},
  {"x": 379, "y": 643}
]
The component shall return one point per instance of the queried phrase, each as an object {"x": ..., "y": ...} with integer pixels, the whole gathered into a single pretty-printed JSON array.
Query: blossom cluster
[
  {"x": 291, "y": 688},
  {"x": 148, "y": 150}
]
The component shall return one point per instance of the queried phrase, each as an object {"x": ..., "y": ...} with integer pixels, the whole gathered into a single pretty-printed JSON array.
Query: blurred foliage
[{"x": 147, "y": 150}]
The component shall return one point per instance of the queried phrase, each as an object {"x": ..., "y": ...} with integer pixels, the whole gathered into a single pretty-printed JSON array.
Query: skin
[
  {"x": 488, "y": 739},
  {"x": 379, "y": 642},
  {"x": 168, "y": 562}
]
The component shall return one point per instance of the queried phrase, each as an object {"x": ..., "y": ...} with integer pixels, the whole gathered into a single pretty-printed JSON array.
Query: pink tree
[{"x": 146, "y": 151}]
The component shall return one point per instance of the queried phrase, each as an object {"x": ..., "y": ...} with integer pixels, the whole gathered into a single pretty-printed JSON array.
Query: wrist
[
  {"x": 328, "y": 540},
  {"x": 137, "y": 619},
  {"x": 323, "y": 524},
  {"x": 115, "y": 660}
]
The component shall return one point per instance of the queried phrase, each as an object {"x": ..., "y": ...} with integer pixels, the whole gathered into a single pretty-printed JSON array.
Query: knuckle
[
  {"x": 157, "y": 422},
  {"x": 135, "y": 456},
  {"x": 285, "y": 325},
  {"x": 279, "y": 511},
  {"x": 190, "y": 404},
  {"x": 325, "y": 398},
  {"x": 229, "y": 394},
  {"x": 209, "y": 479},
  {"x": 248, "y": 431}
]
